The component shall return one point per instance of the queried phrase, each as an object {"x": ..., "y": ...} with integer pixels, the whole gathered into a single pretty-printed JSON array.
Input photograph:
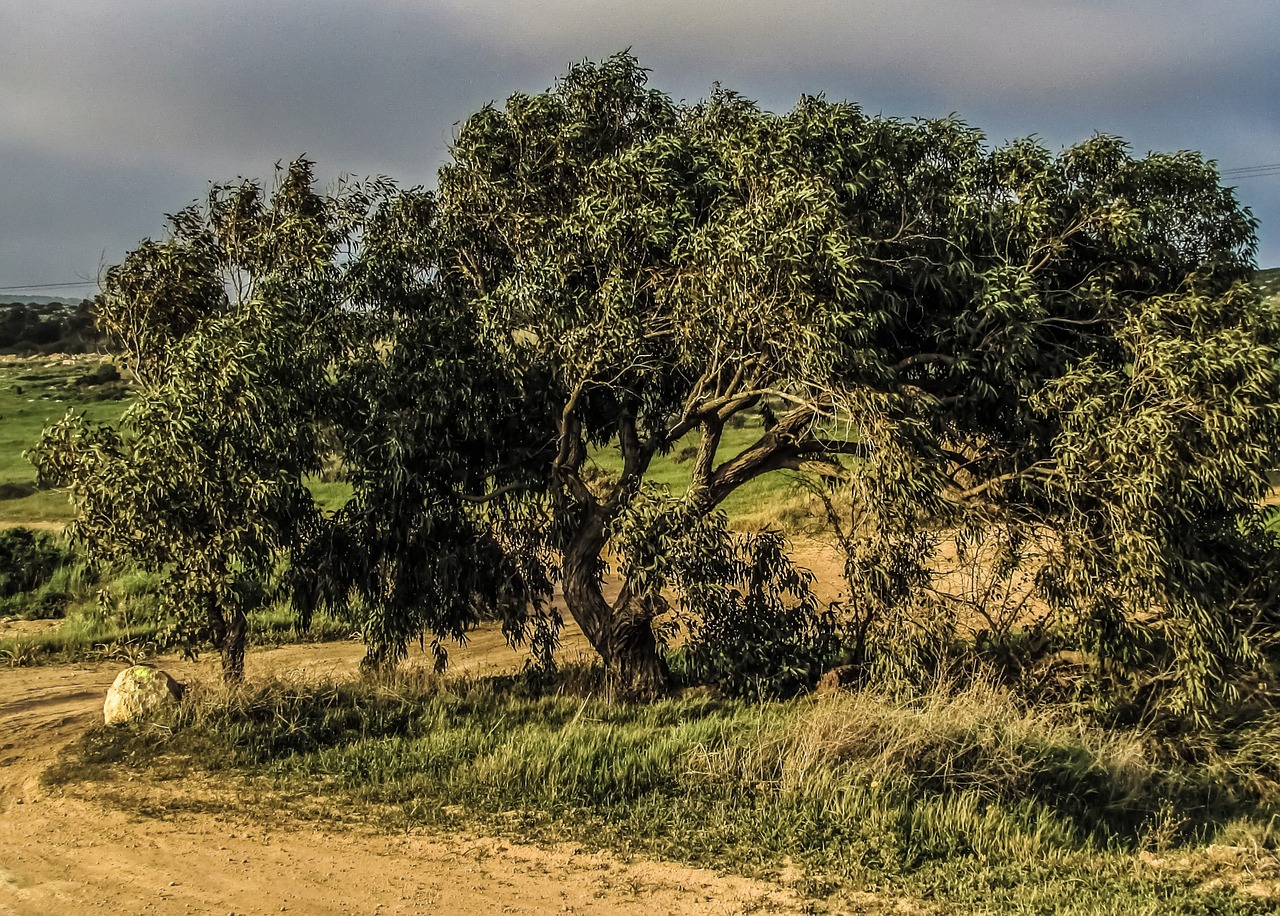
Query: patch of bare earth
[
  {"x": 71, "y": 851},
  {"x": 13, "y": 627},
  {"x": 37, "y": 525}
]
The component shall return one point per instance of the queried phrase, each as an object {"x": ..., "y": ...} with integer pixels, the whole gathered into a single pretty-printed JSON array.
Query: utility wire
[
  {"x": 1252, "y": 171},
  {"x": 9, "y": 289}
]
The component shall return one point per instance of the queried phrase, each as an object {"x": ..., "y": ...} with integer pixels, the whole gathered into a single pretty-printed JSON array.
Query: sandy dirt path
[{"x": 69, "y": 852}]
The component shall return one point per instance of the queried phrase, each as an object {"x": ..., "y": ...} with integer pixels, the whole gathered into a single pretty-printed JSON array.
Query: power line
[
  {"x": 1252, "y": 171},
  {"x": 9, "y": 289}
]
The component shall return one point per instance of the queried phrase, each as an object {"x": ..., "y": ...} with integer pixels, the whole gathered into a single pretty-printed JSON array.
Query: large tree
[
  {"x": 969, "y": 333},
  {"x": 1058, "y": 354}
]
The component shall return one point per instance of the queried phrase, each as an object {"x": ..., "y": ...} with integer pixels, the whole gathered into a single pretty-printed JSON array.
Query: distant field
[
  {"x": 774, "y": 499},
  {"x": 1268, "y": 281},
  {"x": 34, "y": 393}
]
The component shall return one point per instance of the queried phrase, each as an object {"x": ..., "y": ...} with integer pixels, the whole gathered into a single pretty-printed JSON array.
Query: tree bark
[
  {"x": 231, "y": 646},
  {"x": 635, "y": 665},
  {"x": 622, "y": 632}
]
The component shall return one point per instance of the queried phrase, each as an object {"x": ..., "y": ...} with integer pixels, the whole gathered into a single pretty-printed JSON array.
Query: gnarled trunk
[
  {"x": 634, "y": 663},
  {"x": 622, "y": 632}
]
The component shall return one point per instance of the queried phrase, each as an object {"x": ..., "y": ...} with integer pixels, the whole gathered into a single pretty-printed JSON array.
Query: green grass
[
  {"x": 34, "y": 393},
  {"x": 330, "y": 495},
  {"x": 960, "y": 800},
  {"x": 772, "y": 499},
  {"x": 119, "y": 615},
  {"x": 87, "y": 635}
]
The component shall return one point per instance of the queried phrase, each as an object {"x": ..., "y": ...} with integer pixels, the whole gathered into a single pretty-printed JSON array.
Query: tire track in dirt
[{"x": 65, "y": 852}]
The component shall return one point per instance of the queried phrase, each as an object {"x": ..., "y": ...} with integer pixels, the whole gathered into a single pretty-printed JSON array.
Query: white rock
[{"x": 140, "y": 692}]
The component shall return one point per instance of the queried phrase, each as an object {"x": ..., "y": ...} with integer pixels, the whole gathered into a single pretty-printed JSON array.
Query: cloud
[{"x": 112, "y": 92}]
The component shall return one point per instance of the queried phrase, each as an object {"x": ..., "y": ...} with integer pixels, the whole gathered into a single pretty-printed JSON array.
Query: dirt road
[{"x": 69, "y": 852}]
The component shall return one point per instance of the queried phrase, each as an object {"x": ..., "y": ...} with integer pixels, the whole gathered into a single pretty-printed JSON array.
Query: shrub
[
  {"x": 760, "y": 633},
  {"x": 28, "y": 559}
]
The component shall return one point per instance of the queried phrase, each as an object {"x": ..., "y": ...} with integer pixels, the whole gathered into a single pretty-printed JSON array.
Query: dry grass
[
  {"x": 976, "y": 737},
  {"x": 963, "y": 794}
]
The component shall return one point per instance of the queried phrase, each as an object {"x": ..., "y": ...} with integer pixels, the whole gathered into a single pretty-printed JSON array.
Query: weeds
[{"x": 965, "y": 797}]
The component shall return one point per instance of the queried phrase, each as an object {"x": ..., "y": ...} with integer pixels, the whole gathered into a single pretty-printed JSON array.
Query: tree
[
  {"x": 1054, "y": 357},
  {"x": 228, "y": 327},
  {"x": 1067, "y": 342},
  {"x": 266, "y": 337},
  {"x": 421, "y": 418}
]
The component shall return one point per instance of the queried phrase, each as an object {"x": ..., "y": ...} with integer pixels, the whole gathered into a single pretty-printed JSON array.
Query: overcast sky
[{"x": 115, "y": 112}]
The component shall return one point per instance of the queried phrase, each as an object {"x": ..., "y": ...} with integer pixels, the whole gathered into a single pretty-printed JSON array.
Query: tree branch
[{"x": 501, "y": 491}]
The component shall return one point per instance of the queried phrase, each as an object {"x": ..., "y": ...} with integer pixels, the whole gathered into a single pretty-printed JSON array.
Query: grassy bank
[
  {"x": 960, "y": 800},
  {"x": 90, "y": 634},
  {"x": 113, "y": 614}
]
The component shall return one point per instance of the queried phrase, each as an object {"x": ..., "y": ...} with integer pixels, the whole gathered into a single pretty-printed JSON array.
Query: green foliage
[
  {"x": 749, "y": 621},
  {"x": 1062, "y": 346},
  {"x": 421, "y": 419},
  {"x": 1052, "y": 361},
  {"x": 50, "y": 327},
  {"x": 122, "y": 615},
  {"x": 28, "y": 560},
  {"x": 225, "y": 328}
]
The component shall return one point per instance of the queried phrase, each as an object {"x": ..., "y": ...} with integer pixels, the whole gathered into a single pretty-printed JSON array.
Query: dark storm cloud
[{"x": 112, "y": 113}]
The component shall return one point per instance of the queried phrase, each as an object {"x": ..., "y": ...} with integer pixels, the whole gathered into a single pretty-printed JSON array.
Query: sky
[{"x": 116, "y": 112}]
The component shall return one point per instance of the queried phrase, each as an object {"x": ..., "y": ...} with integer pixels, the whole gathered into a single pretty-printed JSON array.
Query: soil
[
  {"x": 77, "y": 850},
  {"x": 90, "y": 848}
]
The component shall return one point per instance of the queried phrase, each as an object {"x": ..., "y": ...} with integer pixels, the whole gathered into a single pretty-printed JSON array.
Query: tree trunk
[
  {"x": 634, "y": 662},
  {"x": 231, "y": 645},
  {"x": 622, "y": 633}
]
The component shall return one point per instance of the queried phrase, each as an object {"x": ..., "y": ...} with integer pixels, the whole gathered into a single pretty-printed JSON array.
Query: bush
[
  {"x": 105, "y": 373},
  {"x": 28, "y": 559},
  {"x": 761, "y": 633}
]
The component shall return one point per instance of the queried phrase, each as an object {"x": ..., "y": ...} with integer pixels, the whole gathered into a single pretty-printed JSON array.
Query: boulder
[
  {"x": 141, "y": 692},
  {"x": 838, "y": 679}
]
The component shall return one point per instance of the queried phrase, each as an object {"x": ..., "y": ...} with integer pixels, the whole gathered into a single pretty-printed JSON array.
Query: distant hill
[
  {"x": 27, "y": 299},
  {"x": 49, "y": 325},
  {"x": 1268, "y": 281}
]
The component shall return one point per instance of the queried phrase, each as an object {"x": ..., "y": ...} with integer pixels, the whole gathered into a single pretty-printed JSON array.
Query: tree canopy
[{"x": 1053, "y": 360}]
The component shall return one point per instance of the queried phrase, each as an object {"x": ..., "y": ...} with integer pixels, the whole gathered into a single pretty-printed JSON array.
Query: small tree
[{"x": 227, "y": 327}]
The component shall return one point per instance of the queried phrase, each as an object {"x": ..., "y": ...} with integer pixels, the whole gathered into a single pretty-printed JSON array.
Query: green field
[
  {"x": 111, "y": 613},
  {"x": 33, "y": 393},
  {"x": 773, "y": 499},
  {"x": 1268, "y": 281}
]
